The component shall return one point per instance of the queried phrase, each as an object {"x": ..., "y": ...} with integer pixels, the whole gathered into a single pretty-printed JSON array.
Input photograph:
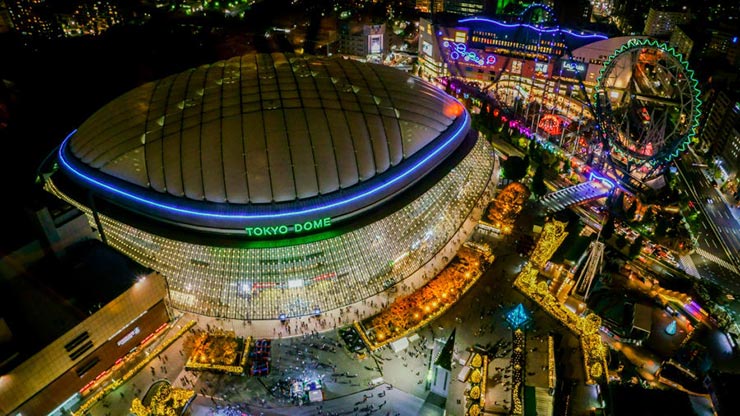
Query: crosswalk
[
  {"x": 711, "y": 257},
  {"x": 689, "y": 266}
]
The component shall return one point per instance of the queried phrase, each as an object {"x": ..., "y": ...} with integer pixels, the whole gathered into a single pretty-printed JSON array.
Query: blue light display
[
  {"x": 552, "y": 31},
  {"x": 595, "y": 177},
  {"x": 518, "y": 317},
  {"x": 460, "y": 52},
  {"x": 402, "y": 174}
]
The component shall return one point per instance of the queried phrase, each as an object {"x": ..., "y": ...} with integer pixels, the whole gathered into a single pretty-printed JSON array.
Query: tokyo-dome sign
[{"x": 297, "y": 228}]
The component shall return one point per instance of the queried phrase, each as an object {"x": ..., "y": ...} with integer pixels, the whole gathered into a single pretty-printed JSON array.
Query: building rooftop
[
  {"x": 54, "y": 296},
  {"x": 266, "y": 134}
]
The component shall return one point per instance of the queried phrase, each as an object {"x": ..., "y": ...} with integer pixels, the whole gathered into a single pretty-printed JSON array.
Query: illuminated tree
[{"x": 508, "y": 204}]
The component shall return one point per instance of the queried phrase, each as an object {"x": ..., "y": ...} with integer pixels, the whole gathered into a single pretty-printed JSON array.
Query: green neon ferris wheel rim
[{"x": 683, "y": 143}]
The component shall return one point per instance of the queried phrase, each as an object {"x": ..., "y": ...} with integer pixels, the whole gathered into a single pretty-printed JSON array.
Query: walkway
[
  {"x": 563, "y": 198},
  {"x": 689, "y": 266}
]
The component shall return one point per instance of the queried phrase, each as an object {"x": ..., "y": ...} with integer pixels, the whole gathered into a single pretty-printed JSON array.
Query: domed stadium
[{"x": 274, "y": 184}]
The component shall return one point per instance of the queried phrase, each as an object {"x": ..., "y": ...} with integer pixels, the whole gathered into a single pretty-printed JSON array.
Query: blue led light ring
[
  {"x": 447, "y": 146},
  {"x": 518, "y": 25},
  {"x": 666, "y": 155}
]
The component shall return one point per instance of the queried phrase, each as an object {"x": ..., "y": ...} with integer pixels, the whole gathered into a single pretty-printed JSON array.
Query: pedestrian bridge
[{"x": 595, "y": 188}]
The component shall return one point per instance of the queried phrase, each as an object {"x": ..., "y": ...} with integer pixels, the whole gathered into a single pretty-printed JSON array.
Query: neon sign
[
  {"x": 460, "y": 52},
  {"x": 552, "y": 124},
  {"x": 540, "y": 68},
  {"x": 594, "y": 177},
  {"x": 573, "y": 66},
  {"x": 128, "y": 336},
  {"x": 297, "y": 228}
]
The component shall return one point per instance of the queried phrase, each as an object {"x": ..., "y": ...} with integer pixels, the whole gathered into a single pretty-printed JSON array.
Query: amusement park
[
  {"x": 623, "y": 106},
  {"x": 484, "y": 208}
]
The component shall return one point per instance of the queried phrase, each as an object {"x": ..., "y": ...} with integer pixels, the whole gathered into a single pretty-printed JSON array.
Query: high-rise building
[
  {"x": 5, "y": 23},
  {"x": 90, "y": 17},
  {"x": 465, "y": 7},
  {"x": 721, "y": 130},
  {"x": 479, "y": 48},
  {"x": 104, "y": 315},
  {"x": 428, "y": 6},
  {"x": 362, "y": 40},
  {"x": 681, "y": 41},
  {"x": 663, "y": 22},
  {"x": 431, "y": 62},
  {"x": 33, "y": 18}
]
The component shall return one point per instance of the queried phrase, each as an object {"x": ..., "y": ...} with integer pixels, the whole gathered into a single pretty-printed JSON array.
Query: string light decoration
[
  {"x": 409, "y": 313},
  {"x": 330, "y": 270},
  {"x": 507, "y": 206},
  {"x": 587, "y": 328},
  {"x": 85, "y": 407},
  {"x": 551, "y": 375},
  {"x": 476, "y": 393},
  {"x": 517, "y": 375},
  {"x": 219, "y": 351},
  {"x": 552, "y": 236},
  {"x": 165, "y": 401}
]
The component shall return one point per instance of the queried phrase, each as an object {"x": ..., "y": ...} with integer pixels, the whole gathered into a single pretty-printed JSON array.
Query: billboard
[
  {"x": 516, "y": 67},
  {"x": 426, "y": 48},
  {"x": 540, "y": 68},
  {"x": 572, "y": 69},
  {"x": 375, "y": 44}
]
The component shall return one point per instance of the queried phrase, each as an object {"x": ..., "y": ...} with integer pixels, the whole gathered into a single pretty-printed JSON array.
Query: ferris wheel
[{"x": 648, "y": 105}]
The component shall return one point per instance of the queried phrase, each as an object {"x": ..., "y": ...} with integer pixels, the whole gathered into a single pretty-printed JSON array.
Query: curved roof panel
[
  {"x": 263, "y": 139},
  {"x": 263, "y": 128}
]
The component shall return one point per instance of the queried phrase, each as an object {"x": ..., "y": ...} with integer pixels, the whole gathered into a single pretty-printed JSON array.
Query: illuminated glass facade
[{"x": 262, "y": 283}]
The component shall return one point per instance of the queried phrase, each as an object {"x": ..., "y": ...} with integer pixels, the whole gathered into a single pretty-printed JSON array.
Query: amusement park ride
[
  {"x": 642, "y": 112},
  {"x": 647, "y": 104}
]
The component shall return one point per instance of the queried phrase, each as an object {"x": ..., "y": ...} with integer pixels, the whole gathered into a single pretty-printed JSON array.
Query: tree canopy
[
  {"x": 508, "y": 204},
  {"x": 608, "y": 230},
  {"x": 538, "y": 181},
  {"x": 515, "y": 168}
]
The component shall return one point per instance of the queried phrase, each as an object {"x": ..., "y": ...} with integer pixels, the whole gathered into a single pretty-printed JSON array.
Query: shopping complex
[
  {"x": 273, "y": 185},
  {"x": 521, "y": 59}
]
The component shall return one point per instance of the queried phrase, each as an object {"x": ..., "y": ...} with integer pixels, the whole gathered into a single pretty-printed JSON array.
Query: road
[{"x": 718, "y": 241}]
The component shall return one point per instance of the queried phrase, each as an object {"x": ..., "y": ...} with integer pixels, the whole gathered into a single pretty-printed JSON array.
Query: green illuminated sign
[{"x": 297, "y": 228}]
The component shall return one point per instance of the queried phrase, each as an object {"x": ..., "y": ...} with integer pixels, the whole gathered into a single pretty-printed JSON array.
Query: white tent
[
  {"x": 400, "y": 345},
  {"x": 315, "y": 395}
]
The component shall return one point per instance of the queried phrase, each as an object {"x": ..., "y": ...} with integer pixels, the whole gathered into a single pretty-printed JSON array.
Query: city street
[{"x": 716, "y": 256}]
